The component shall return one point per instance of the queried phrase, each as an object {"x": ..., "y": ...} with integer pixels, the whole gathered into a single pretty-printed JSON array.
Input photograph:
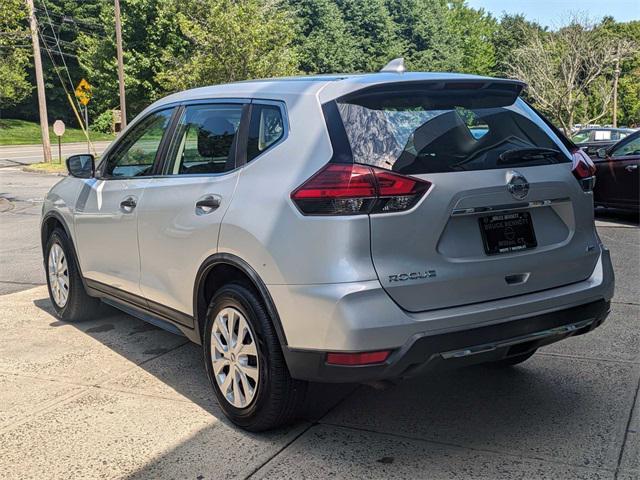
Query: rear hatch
[{"x": 504, "y": 214}]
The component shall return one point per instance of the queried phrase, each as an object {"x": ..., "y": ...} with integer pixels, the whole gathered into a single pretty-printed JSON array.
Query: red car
[{"x": 618, "y": 175}]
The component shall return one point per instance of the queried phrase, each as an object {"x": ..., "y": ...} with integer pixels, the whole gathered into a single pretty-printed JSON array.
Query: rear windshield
[{"x": 415, "y": 132}]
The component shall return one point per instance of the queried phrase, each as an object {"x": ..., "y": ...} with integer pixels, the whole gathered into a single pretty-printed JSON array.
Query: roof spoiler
[{"x": 462, "y": 92}]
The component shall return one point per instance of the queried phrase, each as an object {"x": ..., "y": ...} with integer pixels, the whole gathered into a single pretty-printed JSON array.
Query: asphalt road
[
  {"x": 117, "y": 398},
  {"x": 26, "y": 154}
]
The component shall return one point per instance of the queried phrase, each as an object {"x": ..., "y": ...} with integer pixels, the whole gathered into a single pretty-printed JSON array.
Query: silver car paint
[
  {"x": 319, "y": 271},
  {"x": 99, "y": 216}
]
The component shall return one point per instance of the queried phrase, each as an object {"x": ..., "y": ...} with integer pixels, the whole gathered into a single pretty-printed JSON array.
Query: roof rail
[{"x": 394, "y": 66}]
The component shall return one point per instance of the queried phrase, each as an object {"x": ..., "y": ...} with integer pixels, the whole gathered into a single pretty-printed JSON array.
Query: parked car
[
  {"x": 618, "y": 179},
  {"x": 591, "y": 139},
  {"x": 346, "y": 228}
]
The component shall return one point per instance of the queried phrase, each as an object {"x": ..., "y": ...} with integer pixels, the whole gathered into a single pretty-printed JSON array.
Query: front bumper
[{"x": 455, "y": 349}]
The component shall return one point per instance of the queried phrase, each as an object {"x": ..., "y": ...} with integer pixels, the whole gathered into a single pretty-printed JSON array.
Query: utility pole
[
  {"x": 616, "y": 76},
  {"x": 42, "y": 100},
  {"x": 123, "y": 106}
]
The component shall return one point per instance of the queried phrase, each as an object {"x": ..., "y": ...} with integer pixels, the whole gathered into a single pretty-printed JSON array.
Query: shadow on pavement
[
  {"x": 621, "y": 217},
  {"x": 180, "y": 368},
  {"x": 549, "y": 408}
]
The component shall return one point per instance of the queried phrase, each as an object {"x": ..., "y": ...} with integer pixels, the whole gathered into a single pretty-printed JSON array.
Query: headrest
[{"x": 215, "y": 137}]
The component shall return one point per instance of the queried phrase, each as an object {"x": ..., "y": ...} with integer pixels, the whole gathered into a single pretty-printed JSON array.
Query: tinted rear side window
[
  {"x": 266, "y": 128},
  {"x": 417, "y": 132}
]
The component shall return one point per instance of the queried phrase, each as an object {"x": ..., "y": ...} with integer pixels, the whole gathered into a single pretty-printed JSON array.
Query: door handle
[
  {"x": 207, "y": 204},
  {"x": 128, "y": 204},
  {"x": 631, "y": 168}
]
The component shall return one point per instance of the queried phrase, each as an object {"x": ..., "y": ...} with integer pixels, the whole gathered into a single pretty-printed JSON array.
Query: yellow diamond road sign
[{"x": 83, "y": 92}]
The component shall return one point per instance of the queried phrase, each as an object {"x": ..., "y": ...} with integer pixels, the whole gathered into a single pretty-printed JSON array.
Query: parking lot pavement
[{"x": 115, "y": 397}]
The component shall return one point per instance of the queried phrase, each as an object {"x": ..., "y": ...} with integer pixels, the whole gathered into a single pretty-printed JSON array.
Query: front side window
[
  {"x": 205, "y": 140},
  {"x": 265, "y": 129},
  {"x": 416, "y": 132},
  {"x": 632, "y": 147},
  {"x": 135, "y": 154}
]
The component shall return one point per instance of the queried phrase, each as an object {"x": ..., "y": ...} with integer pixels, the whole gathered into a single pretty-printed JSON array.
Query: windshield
[
  {"x": 412, "y": 133},
  {"x": 580, "y": 137}
]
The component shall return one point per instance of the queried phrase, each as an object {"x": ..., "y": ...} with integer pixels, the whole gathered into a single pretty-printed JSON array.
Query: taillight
[
  {"x": 584, "y": 170},
  {"x": 352, "y": 189}
]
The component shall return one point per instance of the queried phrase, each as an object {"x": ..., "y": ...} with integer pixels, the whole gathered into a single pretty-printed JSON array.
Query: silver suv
[{"x": 352, "y": 228}]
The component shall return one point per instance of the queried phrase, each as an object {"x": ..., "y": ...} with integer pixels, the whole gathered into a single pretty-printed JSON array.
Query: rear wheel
[
  {"x": 245, "y": 364},
  {"x": 66, "y": 291},
  {"x": 515, "y": 360}
]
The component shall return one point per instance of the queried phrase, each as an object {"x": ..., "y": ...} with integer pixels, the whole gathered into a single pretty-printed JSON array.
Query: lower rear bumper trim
[{"x": 425, "y": 353}]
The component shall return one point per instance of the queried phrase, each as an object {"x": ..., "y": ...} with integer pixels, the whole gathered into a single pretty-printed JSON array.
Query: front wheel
[
  {"x": 245, "y": 364},
  {"x": 66, "y": 291}
]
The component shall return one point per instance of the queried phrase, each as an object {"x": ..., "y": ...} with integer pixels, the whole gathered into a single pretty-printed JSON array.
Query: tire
[
  {"x": 515, "y": 360},
  {"x": 274, "y": 399},
  {"x": 74, "y": 305}
]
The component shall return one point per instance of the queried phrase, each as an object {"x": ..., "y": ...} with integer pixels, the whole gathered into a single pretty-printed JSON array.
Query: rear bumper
[
  {"x": 360, "y": 317},
  {"x": 461, "y": 348}
]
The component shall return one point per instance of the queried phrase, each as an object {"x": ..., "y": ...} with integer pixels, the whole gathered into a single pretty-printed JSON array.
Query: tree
[
  {"x": 147, "y": 33},
  {"x": 513, "y": 32},
  {"x": 568, "y": 72},
  {"x": 14, "y": 53},
  {"x": 370, "y": 23},
  {"x": 251, "y": 39},
  {"x": 424, "y": 26},
  {"x": 473, "y": 32},
  {"x": 323, "y": 41}
]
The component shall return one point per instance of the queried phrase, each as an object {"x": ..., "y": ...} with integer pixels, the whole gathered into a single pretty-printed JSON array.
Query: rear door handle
[
  {"x": 631, "y": 168},
  {"x": 128, "y": 204},
  {"x": 207, "y": 204}
]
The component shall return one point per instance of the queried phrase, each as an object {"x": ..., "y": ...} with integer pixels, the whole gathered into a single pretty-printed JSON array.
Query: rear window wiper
[{"x": 527, "y": 153}]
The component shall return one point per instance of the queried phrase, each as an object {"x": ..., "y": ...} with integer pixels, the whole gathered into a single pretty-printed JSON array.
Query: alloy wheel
[
  {"x": 58, "y": 275},
  {"x": 234, "y": 357}
]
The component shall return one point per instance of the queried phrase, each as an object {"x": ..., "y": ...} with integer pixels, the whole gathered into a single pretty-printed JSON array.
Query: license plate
[{"x": 507, "y": 232}]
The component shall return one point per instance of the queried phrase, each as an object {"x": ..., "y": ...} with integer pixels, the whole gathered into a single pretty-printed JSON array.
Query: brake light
[
  {"x": 584, "y": 170},
  {"x": 359, "y": 358},
  {"x": 352, "y": 189}
]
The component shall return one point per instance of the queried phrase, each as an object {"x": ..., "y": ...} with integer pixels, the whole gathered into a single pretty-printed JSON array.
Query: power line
[{"x": 66, "y": 68}]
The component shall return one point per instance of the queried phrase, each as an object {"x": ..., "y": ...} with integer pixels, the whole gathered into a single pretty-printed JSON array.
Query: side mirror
[
  {"x": 81, "y": 166},
  {"x": 601, "y": 152}
]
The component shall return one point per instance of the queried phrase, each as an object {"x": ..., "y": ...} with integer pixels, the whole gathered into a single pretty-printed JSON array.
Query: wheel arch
[
  {"x": 220, "y": 269},
  {"x": 50, "y": 221}
]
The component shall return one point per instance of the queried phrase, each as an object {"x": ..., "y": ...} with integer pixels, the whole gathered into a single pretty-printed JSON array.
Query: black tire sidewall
[
  {"x": 60, "y": 238},
  {"x": 243, "y": 299}
]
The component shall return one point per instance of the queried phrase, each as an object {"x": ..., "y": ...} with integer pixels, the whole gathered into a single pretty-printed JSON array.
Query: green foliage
[
  {"x": 251, "y": 39},
  {"x": 426, "y": 30},
  {"x": 474, "y": 30},
  {"x": 370, "y": 24},
  {"x": 513, "y": 32},
  {"x": 171, "y": 45},
  {"x": 323, "y": 41},
  {"x": 14, "y": 53},
  {"x": 102, "y": 122}
]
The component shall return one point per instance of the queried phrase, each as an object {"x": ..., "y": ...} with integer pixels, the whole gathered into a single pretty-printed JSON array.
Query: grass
[
  {"x": 22, "y": 132},
  {"x": 46, "y": 167}
]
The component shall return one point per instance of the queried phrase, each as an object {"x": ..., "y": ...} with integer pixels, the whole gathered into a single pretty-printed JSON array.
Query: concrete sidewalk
[{"x": 117, "y": 398}]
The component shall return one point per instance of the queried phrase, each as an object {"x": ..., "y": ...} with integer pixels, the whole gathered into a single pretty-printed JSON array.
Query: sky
[{"x": 550, "y": 13}]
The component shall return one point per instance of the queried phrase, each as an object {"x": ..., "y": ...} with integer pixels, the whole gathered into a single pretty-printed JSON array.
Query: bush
[{"x": 102, "y": 123}]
